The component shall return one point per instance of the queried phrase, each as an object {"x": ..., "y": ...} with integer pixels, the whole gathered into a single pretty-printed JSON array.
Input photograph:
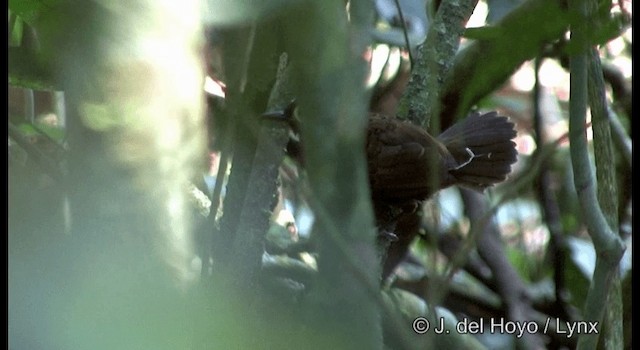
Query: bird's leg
[
  {"x": 387, "y": 216},
  {"x": 387, "y": 236}
]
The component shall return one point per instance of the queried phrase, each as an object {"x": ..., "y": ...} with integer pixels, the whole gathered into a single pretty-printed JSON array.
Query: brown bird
[{"x": 407, "y": 166}]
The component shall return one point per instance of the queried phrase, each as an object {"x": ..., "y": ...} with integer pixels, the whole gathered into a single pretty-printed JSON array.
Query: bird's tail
[{"x": 482, "y": 147}]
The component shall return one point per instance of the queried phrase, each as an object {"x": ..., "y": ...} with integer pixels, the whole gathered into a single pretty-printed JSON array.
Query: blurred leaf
[
  {"x": 465, "y": 284},
  {"x": 234, "y": 12},
  {"x": 603, "y": 30},
  {"x": 32, "y": 11},
  {"x": 512, "y": 102},
  {"x": 486, "y": 64},
  {"x": 16, "y": 26},
  {"x": 27, "y": 69},
  {"x": 52, "y": 132},
  {"x": 408, "y": 307},
  {"x": 27, "y": 129},
  {"x": 29, "y": 10}
]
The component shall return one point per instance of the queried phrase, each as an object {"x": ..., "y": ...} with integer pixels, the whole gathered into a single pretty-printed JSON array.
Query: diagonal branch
[{"x": 510, "y": 286}]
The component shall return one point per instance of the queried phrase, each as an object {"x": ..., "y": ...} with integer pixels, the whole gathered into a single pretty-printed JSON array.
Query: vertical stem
[
  {"x": 607, "y": 189},
  {"x": 421, "y": 100},
  {"x": 550, "y": 208},
  {"x": 329, "y": 72},
  {"x": 609, "y": 247}
]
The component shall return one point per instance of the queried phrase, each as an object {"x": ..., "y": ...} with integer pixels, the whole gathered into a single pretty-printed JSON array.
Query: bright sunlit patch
[
  {"x": 624, "y": 64},
  {"x": 616, "y": 49},
  {"x": 479, "y": 16},
  {"x": 557, "y": 129},
  {"x": 171, "y": 134},
  {"x": 628, "y": 34},
  {"x": 626, "y": 5},
  {"x": 552, "y": 74},
  {"x": 393, "y": 63},
  {"x": 174, "y": 205},
  {"x": 525, "y": 144},
  {"x": 214, "y": 87},
  {"x": 524, "y": 78},
  {"x": 589, "y": 129},
  {"x": 616, "y": 46},
  {"x": 451, "y": 207},
  {"x": 379, "y": 55}
]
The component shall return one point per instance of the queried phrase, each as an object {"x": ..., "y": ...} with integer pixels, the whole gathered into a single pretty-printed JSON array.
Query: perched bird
[{"x": 407, "y": 165}]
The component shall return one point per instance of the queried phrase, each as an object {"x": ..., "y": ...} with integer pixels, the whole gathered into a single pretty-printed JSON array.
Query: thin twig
[
  {"x": 550, "y": 210},
  {"x": 607, "y": 190},
  {"x": 404, "y": 31}
]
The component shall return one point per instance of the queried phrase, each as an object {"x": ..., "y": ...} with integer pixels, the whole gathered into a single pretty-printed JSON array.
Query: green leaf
[
  {"x": 483, "y": 33},
  {"x": 486, "y": 64},
  {"x": 601, "y": 31},
  {"x": 30, "y": 10},
  {"x": 15, "y": 30}
]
